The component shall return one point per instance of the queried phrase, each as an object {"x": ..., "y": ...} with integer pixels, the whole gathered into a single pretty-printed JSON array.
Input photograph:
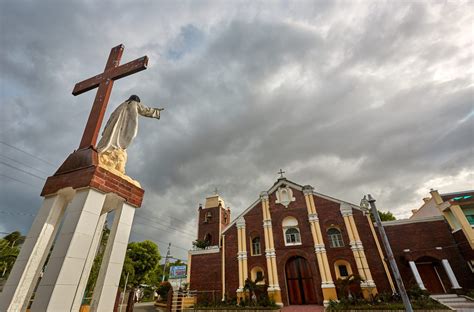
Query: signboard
[{"x": 178, "y": 271}]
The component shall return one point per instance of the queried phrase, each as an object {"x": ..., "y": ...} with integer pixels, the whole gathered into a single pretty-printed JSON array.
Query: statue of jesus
[{"x": 120, "y": 130}]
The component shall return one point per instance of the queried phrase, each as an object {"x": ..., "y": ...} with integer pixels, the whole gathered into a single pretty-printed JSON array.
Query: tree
[
  {"x": 9, "y": 250},
  {"x": 384, "y": 216},
  {"x": 97, "y": 261},
  {"x": 144, "y": 257}
]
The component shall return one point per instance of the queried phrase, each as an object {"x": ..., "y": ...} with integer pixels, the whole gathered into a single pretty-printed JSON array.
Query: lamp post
[{"x": 365, "y": 202}]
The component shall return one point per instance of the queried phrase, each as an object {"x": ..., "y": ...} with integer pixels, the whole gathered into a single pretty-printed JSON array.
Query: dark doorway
[
  {"x": 429, "y": 270},
  {"x": 299, "y": 281}
]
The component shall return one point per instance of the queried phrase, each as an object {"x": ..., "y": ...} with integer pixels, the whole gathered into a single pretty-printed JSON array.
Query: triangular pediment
[{"x": 281, "y": 182}]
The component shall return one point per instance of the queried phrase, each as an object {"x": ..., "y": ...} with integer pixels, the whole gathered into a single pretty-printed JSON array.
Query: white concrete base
[
  {"x": 27, "y": 268},
  {"x": 67, "y": 271},
  {"x": 108, "y": 280},
  {"x": 58, "y": 289}
]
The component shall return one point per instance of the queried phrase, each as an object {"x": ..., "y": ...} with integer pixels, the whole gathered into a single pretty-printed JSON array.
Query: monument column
[
  {"x": 58, "y": 288},
  {"x": 29, "y": 263},
  {"x": 111, "y": 268}
]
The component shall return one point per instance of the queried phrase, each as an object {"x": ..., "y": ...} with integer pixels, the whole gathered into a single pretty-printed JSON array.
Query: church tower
[{"x": 213, "y": 219}]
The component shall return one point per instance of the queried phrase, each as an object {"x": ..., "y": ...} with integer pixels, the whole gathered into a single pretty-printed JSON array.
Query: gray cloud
[{"x": 350, "y": 98}]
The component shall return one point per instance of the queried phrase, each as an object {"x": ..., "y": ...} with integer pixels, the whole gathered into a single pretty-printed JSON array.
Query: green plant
[
  {"x": 201, "y": 244},
  {"x": 349, "y": 287},
  {"x": 163, "y": 289}
]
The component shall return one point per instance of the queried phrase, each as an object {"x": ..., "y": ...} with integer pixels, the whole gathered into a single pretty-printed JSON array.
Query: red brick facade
[
  {"x": 422, "y": 238},
  {"x": 429, "y": 241}
]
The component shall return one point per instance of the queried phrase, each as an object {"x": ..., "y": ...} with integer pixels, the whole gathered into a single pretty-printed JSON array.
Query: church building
[{"x": 300, "y": 242}]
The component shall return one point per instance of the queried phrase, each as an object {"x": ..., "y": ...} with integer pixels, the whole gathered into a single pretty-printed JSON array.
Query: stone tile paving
[{"x": 303, "y": 308}]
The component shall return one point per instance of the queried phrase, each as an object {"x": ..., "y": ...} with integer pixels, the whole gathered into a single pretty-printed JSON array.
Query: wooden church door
[
  {"x": 299, "y": 281},
  {"x": 430, "y": 278}
]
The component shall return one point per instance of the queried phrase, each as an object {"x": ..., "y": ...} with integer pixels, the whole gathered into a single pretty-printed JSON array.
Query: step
[
  {"x": 462, "y": 305},
  {"x": 453, "y": 300},
  {"x": 444, "y": 296}
]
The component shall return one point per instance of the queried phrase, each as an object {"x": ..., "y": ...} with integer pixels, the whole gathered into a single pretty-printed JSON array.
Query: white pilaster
[
  {"x": 416, "y": 274},
  {"x": 58, "y": 288},
  {"x": 452, "y": 277},
  {"x": 27, "y": 268},
  {"x": 111, "y": 268}
]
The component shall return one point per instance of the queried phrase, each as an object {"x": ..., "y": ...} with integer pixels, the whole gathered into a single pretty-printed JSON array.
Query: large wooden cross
[{"x": 104, "y": 82}]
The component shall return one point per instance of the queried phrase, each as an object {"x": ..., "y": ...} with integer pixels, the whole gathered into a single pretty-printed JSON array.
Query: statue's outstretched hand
[{"x": 161, "y": 109}]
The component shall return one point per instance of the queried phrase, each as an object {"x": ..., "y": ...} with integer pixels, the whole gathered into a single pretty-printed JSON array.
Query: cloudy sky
[{"x": 352, "y": 97}]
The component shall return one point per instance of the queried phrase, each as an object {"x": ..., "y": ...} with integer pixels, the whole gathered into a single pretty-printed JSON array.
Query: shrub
[{"x": 163, "y": 289}]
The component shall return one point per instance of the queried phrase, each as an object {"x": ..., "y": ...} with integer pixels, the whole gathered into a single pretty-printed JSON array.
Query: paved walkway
[{"x": 303, "y": 308}]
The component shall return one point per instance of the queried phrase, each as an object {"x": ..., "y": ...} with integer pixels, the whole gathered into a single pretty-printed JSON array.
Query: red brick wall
[
  {"x": 466, "y": 251},
  {"x": 206, "y": 272},
  {"x": 422, "y": 238},
  {"x": 231, "y": 262}
]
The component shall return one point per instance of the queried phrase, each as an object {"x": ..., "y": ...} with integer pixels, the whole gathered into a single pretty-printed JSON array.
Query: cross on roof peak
[
  {"x": 281, "y": 172},
  {"x": 216, "y": 191}
]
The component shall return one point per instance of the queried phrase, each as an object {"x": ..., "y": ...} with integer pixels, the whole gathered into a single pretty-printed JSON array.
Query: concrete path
[{"x": 303, "y": 308}]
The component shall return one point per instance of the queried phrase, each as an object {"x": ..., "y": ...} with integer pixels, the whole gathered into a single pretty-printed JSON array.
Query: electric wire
[
  {"x": 23, "y": 164},
  {"x": 24, "y": 171},
  {"x": 8, "y": 177},
  {"x": 32, "y": 155}
]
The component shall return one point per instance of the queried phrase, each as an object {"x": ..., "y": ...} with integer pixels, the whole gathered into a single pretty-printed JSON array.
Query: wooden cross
[
  {"x": 281, "y": 172},
  {"x": 104, "y": 82}
]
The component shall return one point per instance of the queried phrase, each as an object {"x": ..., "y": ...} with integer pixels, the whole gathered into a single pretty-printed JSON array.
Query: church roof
[{"x": 293, "y": 185}]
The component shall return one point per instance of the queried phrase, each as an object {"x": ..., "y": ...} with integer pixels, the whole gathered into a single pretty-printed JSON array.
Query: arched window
[
  {"x": 207, "y": 217},
  {"x": 291, "y": 231},
  {"x": 342, "y": 268},
  {"x": 208, "y": 238},
  {"x": 335, "y": 238},
  {"x": 256, "y": 248},
  {"x": 256, "y": 274},
  {"x": 292, "y": 236}
]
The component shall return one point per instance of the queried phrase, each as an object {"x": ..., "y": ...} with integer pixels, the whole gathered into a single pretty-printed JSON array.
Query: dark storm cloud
[{"x": 350, "y": 98}]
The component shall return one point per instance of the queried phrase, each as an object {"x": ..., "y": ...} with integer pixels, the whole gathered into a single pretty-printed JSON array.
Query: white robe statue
[{"x": 120, "y": 130}]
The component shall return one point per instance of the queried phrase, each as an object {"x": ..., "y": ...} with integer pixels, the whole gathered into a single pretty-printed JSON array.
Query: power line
[
  {"x": 24, "y": 171},
  {"x": 157, "y": 240},
  {"x": 161, "y": 229},
  {"x": 23, "y": 164},
  {"x": 168, "y": 226},
  {"x": 23, "y": 151},
  {"x": 8, "y": 177},
  {"x": 133, "y": 230}
]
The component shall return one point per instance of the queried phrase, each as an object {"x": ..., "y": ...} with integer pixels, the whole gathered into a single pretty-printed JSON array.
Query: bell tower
[{"x": 213, "y": 219}]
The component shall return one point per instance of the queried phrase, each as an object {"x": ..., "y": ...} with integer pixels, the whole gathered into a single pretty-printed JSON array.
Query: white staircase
[{"x": 455, "y": 302}]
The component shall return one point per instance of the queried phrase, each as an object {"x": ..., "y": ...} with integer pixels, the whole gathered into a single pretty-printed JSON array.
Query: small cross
[
  {"x": 216, "y": 191},
  {"x": 104, "y": 83},
  {"x": 281, "y": 172}
]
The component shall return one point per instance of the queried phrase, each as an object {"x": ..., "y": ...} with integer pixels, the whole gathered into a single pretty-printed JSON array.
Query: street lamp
[{"x": 368, "y": 202}]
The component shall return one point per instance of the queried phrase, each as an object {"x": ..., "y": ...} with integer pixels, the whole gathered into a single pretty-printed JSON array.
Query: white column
[
  {"x": 59, "y": 286},
  {"x": 452, "y": 277},
  {"x": 108, "y": 280},
  {"x": 27, "y": 268},
  {"x": 89, "y": 262},
  {"x": 416, "y": 274}
]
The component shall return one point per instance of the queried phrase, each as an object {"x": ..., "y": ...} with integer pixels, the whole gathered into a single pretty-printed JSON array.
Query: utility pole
[
  {"x": 388, "y": 250},
  {"x": 168, "y": 255}
]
